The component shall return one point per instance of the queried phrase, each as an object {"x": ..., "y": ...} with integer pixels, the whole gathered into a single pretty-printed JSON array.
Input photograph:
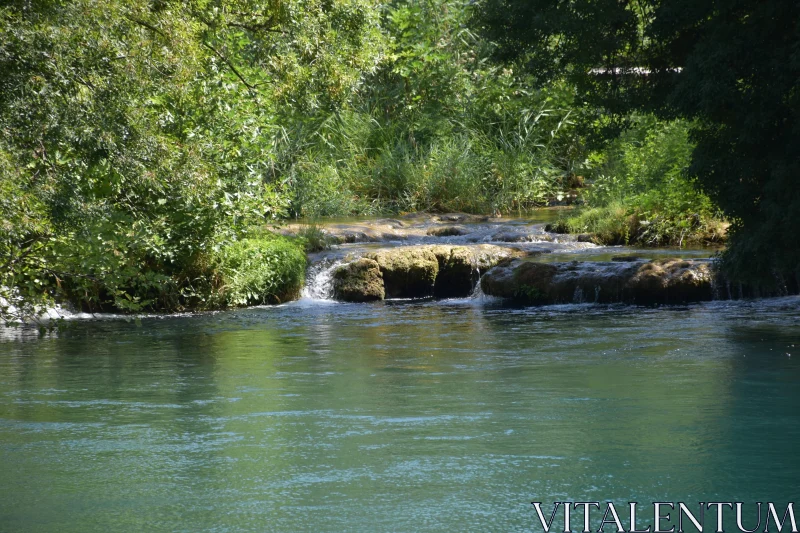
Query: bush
[
  {"x": 640, "y": 192},
  {"x": 623, "y": 223},
  {"x": 369, "y": 165},
  {"x": 265, "y": 269}
]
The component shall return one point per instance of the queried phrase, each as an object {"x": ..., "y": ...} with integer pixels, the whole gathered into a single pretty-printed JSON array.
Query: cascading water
[
  {"x": 319, "y": 280},
  {"x": 577, "y": 296},
  {"x": 477, "y": 292},
  {"x": 586, "y": 271}
]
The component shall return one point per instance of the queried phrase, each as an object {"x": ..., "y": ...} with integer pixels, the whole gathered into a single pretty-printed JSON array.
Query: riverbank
[
  {"x": 259, "y": 267},
  {"x": 620, "y": 224},
  {"x": 421, "y": 255}
]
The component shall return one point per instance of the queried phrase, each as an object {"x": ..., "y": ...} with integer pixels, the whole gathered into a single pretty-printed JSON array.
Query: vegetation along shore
[{"x": 153, "y": 154}]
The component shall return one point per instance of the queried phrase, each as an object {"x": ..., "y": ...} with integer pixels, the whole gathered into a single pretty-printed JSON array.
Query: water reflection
[{"x": 395, "y": 417}]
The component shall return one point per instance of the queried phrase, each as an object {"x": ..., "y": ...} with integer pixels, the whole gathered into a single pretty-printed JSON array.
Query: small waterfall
[
  {"x": 716, "y": 292},
  {"x": 319, "y": 280},
  {"x": 477, "y": 292},
  {"x": 478, "y": 296},
  {"x": 577, "y": 296}
]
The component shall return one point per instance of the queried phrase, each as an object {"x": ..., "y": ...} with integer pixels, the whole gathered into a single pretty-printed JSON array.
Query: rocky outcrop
[
  {"x": 447, "y": 231},
  {"x": 672, "y": 281},
  {"x": 408, "y": 272},
  {"x": 523, "y": 281},
  {"x": 458, "y": 271},
  {"x": 359, "y": 281},
  {"x": 640, "y": 282},
  {"x": 442, "y": 271}
]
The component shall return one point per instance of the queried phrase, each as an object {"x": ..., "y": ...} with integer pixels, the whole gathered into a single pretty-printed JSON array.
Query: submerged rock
[
  {"x": 510, "y": 236},
  {"x": 359, "y": 281},
  {"x": 660, "y": 281},
  {"x": 447, "y": 231},
  {"x": 460, "y": 218}
]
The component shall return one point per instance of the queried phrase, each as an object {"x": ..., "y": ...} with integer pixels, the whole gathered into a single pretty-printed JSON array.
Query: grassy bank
[
  {"x": 266, "y": 269},
  {"x": 639, "y": 191},
  {"x": 627, "y": 223}
]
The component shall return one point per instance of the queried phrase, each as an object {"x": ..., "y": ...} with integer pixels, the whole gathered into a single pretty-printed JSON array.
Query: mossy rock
[
  {"x": 664, "y": 281},
  {"x": 407, "y": 272},
  {"x": 533, "y": 282},
  {"x": 510, "y": 236},
  {"x": 458, "y": 274},
  {"x": 671, "y": 281},
  {"x": 530, "y": 295},
  {"x": 489, "y": 255},
  {"x": 500, "y": 281},
  {"x": 444, "y": 271},
  {"x": 359, "y": 281},
  {"x": 447, "y": 231}
]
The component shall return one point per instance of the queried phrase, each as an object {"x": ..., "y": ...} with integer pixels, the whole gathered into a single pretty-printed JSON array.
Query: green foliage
[
  {"x": 640, "y": 191},
  {"x": 142, "y": 141},
  {"x": 25, "y": 235},
  {"x": 264, "y": 269},
  {"x": 438, "y": 127},
  {"x": 528, "y": 294},
  {"x": 137, "y": 136},
  {"x": 314, "y": 239},
  {"x": 730, "y": 68}
]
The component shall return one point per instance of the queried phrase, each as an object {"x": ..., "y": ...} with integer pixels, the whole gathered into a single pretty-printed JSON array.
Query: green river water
[{"x": 400, "y": 416}]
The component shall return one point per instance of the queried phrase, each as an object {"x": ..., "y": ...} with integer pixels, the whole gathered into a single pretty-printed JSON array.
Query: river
[{"x": 415, "y": 415}]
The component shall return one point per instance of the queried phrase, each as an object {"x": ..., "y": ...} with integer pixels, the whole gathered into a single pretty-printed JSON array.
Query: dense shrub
[
  {"x": 265, "y": 269},
  {"x": 640, "y": 191}
]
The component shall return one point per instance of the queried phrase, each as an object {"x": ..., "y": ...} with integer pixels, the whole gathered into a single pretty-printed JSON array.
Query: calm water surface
[{"x": 406, "y": 416}]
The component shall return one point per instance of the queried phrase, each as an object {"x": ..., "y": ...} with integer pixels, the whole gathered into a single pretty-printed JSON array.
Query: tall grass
[{"x": 359, "y": 164}]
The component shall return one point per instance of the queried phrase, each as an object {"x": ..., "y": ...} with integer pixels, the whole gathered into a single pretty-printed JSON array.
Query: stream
[{"x": 399, "y": 415}]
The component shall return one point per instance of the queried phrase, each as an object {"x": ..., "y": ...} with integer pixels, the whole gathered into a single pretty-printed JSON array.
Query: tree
[
  {"x": 731, "y": 67},
  {"x": 138, "y": 136}
]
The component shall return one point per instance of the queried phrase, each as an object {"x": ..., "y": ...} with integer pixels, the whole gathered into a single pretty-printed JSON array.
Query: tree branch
[
  {"x": 146, "y": 25},
  {"x": 255, "y": 28},
  {"x": 217, "y": 53},
  {"x": 230, "y": 66}
]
